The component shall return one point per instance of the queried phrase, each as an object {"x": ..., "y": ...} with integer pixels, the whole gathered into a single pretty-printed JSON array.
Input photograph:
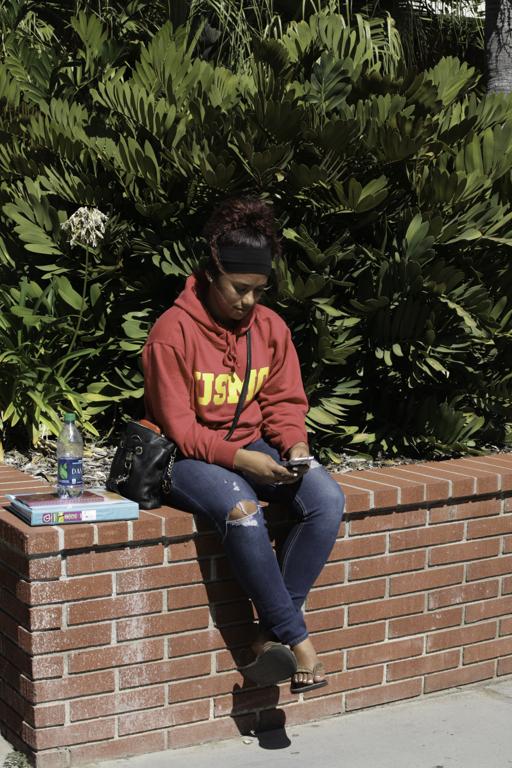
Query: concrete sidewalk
[{"x": 465, "y": 728}]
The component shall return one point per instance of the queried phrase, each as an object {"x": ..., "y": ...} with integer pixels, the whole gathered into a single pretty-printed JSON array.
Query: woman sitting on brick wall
[{"x": 195, "y": 364}]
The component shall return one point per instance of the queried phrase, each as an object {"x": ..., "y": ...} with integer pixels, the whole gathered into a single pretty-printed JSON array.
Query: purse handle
[{"x": 245, "y": 387}]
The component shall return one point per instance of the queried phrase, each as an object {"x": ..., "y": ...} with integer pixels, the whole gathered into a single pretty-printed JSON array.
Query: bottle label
[{"x": 69, "y": 472}]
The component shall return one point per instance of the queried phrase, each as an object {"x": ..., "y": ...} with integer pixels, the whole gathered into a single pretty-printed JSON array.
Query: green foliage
[
  {"x": 392, "y": 188},
  {"x": 430, "y": 30}
]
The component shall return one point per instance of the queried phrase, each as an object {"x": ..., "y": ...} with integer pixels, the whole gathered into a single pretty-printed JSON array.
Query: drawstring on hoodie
[{"x": 230, "y": 356}]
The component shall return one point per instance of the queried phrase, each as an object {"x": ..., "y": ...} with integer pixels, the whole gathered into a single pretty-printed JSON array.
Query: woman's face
[{"x": 232, "y": 295}]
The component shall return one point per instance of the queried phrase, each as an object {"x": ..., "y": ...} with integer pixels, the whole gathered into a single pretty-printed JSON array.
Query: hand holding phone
[{"x": 300, "y": 461}]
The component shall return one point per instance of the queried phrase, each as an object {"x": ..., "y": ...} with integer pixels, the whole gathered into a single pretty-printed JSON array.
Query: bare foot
[{"x": 307, "y": 659}]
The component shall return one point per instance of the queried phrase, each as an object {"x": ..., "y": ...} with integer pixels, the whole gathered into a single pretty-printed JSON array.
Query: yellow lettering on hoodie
[
  {"x": 252, "y": 384},
  {"x": 221, "y": 383},
  {"x": 207, "y": 379},
  {"x": 235, "y": 388},
  {"x": 227, "y": 387},
  {"x": 262, "y": 375}
]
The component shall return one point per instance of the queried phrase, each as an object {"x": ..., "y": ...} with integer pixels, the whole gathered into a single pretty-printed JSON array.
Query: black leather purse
[{"x": 142, "y": 466}]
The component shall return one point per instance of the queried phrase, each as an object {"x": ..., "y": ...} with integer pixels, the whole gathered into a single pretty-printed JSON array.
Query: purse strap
[{"x": 245, "y": 387}]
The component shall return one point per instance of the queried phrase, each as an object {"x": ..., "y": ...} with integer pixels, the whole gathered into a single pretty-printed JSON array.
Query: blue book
[{"x": 91, "y": 507}]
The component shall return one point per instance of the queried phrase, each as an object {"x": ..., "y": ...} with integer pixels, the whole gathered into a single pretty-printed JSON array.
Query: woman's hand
[
  {"x": 263, "y": 467},
  {"x": 297, "y": 451}
]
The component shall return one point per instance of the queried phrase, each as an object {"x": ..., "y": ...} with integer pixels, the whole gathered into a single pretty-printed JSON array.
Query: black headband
[{"x": 246, "y": 259}]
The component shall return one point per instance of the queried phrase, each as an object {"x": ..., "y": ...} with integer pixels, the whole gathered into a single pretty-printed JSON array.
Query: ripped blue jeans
[{"x": 278, "y": 589}]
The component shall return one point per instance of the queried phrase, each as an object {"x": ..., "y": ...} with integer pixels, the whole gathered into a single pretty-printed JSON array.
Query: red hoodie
[{"x": 194, "y": 371}]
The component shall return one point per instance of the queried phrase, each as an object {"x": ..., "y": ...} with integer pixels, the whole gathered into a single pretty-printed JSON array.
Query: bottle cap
[{"x": 69, "y": 418}]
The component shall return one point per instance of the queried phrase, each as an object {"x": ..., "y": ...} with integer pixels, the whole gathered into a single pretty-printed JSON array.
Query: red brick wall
[{"x": 122, "y": 638}]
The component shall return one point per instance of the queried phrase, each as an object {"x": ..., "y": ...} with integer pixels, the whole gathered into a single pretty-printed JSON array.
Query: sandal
[
  {"x": 274, "y": 664},
  {"x": 318, "y": 669}
]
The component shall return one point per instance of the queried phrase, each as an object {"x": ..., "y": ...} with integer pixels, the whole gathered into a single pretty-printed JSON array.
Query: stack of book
[{"x": 92, "y": 506}]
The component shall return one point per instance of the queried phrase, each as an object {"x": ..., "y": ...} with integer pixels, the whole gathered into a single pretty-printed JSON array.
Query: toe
[
  {"x": 319, "y": 673},
  {"x": 303, "y": 678}
]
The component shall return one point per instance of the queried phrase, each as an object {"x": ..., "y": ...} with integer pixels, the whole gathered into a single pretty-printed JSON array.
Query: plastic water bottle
[{"x": 70, "y": 450}]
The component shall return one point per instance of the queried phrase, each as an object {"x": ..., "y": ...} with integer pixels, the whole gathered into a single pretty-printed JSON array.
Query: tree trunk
[{"x": 498, "y": 44}]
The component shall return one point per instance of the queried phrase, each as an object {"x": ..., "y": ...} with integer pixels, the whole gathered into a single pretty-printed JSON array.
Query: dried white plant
[{"x": 86, "y": 226}]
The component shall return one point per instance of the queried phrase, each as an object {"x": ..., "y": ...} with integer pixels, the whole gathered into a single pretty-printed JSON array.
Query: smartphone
[{"x": 299, "y": 462}]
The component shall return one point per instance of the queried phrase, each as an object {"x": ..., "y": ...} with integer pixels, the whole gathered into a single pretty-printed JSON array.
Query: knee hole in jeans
[{"x": 243, "y": 513}]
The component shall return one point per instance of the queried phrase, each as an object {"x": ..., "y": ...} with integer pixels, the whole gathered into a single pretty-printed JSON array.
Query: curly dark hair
[{"x": 242, "y": 221}]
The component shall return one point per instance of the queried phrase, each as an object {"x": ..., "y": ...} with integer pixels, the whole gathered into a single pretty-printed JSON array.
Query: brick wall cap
[{"x": 380, "y": 488}]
